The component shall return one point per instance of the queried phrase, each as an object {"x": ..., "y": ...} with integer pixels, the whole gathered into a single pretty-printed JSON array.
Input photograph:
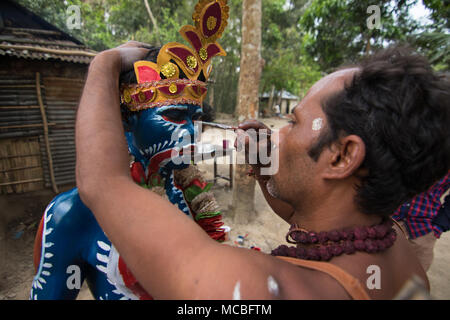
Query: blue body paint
[{"x": 74, "y": 245}]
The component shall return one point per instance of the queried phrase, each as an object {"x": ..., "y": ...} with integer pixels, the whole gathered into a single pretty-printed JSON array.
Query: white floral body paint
[{"x": 317, "y": 124}]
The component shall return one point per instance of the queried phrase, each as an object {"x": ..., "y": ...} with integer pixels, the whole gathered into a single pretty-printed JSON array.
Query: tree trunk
[
  {"x": 270, "y": 103},
  {"x": 368, "y": 46},
  {"x": 211, "y": 92},
  {"x": 280, "y": 99},
  {"x": 247, "y": 104}
]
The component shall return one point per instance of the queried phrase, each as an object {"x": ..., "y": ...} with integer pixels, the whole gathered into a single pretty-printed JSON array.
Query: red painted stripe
[{"x": 38, "y": 245}]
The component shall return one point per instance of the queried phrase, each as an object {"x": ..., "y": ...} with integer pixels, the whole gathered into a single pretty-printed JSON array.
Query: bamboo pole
[
  {"x": 42, "y": 42},
  {"x": 18, "y": 86},
  {"x": 20, "y": 156},
  {"x": 20, "y": 182},
  {"x": 19, "y": 168},
  {"x": 47, "y": 143},
  {"x": 19, "y": 107},
  {"x": 28, "y": 126},
  {"x": 30, "y": 30}
]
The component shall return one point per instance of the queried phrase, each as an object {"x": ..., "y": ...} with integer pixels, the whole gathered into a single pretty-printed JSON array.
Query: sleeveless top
[{"x": 352, "y": 285}]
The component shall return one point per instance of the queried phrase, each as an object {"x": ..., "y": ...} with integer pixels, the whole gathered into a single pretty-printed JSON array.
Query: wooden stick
[
  {"x": 58, "y": 42},
  {"x": 30, "y": 30},
  {"x": 19, "y": 86},
  {"x": 21, "y": 156},
  {"x": 47, "y": 143},
  {"x": 20, "y": 182},
  {"x": 19, "y": 168},
  {"x": 47, "y": 50},
  {"x": 27, "y": 126},
  {"x": 19, "y": 107}
]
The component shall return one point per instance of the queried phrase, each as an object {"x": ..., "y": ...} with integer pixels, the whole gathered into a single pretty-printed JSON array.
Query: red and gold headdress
[{"x": 210, "y": 19}]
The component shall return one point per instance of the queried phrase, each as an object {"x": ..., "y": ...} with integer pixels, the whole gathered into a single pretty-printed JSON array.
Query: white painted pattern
[
  {"x": 44, "y": 265},
  {"x": 104, "y": 246},
  {"x": 114, "y": 276}
]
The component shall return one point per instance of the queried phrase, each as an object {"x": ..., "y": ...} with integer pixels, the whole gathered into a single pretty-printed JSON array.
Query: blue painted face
[{"x": 156, "y": 135}]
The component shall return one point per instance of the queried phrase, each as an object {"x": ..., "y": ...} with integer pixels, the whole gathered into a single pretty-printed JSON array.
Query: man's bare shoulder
[
  {"x": 383, "y": 275},
  {"x": 298, "y": 282}
]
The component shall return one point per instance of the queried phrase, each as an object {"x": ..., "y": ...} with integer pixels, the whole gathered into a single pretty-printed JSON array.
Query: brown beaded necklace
[{"x": 323, "y": 246}]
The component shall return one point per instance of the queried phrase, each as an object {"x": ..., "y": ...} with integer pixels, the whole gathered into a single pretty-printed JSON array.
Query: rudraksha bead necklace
[{"x": 323, "y": 246}]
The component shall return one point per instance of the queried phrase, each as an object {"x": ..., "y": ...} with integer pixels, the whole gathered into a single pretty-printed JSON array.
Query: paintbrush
[
  {"x": 218, "y": 125},
  {"x": 226, "y": 126}
]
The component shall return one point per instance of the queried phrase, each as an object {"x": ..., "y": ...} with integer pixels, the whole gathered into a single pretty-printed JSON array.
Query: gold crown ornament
[{"x": 159, "y": 84}]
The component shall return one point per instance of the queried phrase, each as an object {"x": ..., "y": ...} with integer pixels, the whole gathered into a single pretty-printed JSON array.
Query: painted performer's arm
[{"x": 169, "y": 254}]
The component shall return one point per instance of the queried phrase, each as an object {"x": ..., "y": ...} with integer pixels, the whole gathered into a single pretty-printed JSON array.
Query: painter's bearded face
[
  {"x": 300, "y": 176},
  {"x": 297, "y": 170},
  {"x": 159, "y": 134}
]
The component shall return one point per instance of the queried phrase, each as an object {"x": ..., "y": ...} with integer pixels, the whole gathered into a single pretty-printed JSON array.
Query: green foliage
[
  {"x": 287, "y": 67},
  {"x": 436, "y": 45},
  {"x": 440, "y": 13},
  {"x": 434, "y": 40},
  {"x": 93, "y": 32},
  {"x": 338, "y": 31},
  {"x": 301, "y": 39},
  {"x": 290, "y": 71},
  {"x": 109, "y": 23}
]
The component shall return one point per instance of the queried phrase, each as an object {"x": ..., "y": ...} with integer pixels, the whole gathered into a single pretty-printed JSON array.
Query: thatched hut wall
[{"x": 24, "y": 157}]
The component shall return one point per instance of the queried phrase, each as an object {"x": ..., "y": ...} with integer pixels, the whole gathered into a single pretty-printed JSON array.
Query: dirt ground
[{"x": 19, "y": 219}]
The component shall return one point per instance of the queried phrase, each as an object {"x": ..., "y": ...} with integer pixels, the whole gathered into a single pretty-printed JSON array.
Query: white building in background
[{"x": 288, "y": 101}]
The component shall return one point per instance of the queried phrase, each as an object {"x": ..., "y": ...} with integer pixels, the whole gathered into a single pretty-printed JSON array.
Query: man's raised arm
[{"x": 162, "y": 247}]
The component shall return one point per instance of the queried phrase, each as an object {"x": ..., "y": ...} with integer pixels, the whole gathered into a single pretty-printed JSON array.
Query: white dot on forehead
[{"x": 317, "y": 124}]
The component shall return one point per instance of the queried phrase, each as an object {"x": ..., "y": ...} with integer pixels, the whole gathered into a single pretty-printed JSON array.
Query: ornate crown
[{"x": 159, "y": 83}]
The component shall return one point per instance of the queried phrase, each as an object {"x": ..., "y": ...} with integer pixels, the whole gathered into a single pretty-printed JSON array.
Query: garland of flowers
[
  {"x": 201, "y": 201},
  {"x": 196, "y": 190}
]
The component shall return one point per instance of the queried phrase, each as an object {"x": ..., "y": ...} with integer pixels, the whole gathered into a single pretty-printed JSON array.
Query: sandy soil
[{"x": 266, "y": 232}]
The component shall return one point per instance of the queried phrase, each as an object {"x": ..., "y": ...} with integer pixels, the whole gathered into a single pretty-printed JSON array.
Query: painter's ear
[
  {"x": 345, "y": 157},
  {"x": 129, "y": 119}
]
